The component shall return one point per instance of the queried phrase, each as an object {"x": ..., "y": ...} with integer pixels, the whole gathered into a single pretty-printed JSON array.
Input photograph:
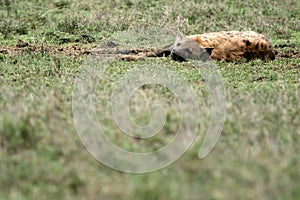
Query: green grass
[{"x": 42, "y": 157}]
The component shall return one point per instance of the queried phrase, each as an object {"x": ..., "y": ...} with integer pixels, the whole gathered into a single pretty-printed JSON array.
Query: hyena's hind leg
[{"x": 141, "y": 54}]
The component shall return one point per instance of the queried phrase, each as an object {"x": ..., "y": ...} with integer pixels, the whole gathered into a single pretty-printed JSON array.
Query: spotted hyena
[{"x": 224, "y": 45}]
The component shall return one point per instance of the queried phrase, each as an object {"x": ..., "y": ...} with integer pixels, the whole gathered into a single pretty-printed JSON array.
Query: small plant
[
  {"x": 17, "y": 135},
  {"x": 61, "y": 3},
  {"x": 10, "y": 27}
]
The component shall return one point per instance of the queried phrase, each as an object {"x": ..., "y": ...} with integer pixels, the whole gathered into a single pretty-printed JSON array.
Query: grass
[{"x": 41, "y": 155}]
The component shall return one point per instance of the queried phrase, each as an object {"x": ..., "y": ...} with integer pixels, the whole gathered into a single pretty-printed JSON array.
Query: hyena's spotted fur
[{"x": 225, "y": 45}]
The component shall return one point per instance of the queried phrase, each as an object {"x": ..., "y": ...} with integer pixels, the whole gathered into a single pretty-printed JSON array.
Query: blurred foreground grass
[{"x": 41, "y": 156}]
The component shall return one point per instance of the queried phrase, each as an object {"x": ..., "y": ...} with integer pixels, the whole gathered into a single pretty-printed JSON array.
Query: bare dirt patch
[
  {"x": 104, "y": 50},
  {"x": 288, "y": 54},
  {"x": 21, "y": 47},
  {"x": 287, "y": 51}
]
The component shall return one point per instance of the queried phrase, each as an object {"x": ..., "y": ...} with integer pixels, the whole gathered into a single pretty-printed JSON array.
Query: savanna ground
[{"x": 41, "y": 156}]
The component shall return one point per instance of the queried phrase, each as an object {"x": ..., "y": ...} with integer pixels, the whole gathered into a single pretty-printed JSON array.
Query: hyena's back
[{"x": 231, "y": 45}]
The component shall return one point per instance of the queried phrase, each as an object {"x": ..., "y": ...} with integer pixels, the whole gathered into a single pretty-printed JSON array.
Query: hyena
[{"x": 224, "y": 45}]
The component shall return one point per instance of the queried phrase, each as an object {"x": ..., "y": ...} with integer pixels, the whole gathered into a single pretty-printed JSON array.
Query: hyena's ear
[
  {"x": 209, "y": 50},
  {"x": 179, "y": 37}
]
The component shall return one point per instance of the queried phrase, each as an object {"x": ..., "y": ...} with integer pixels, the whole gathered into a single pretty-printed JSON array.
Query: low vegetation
[{"x": 41, "y": 155}]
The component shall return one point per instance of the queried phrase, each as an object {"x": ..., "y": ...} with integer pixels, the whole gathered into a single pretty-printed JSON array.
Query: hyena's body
[{"x": 225, "y": 45}]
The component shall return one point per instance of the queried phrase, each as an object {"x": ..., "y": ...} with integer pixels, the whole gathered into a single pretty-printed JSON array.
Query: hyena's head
[{"x": 186, "y": 48}]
